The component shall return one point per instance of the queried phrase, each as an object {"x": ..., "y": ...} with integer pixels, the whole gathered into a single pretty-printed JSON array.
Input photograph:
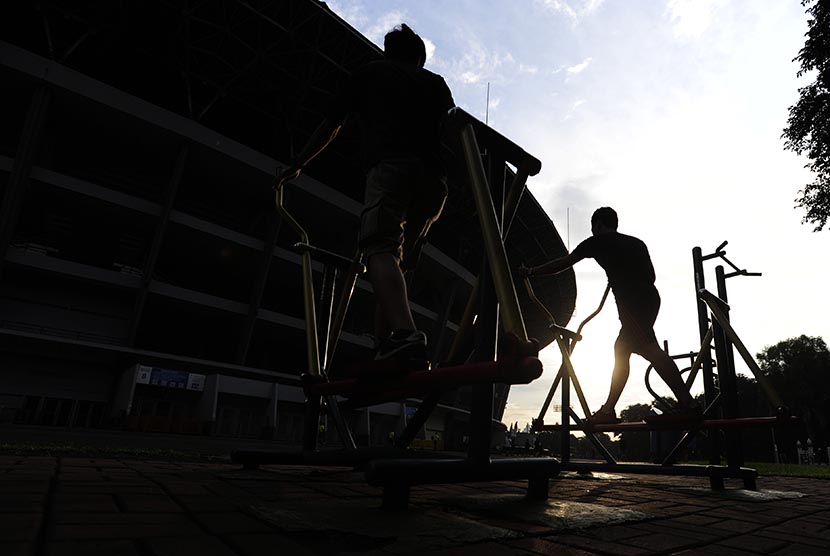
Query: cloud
[
  {"x": 351, "y": 12},
  {"x": 579, "y": 68},
  {"x": 470, "y": 77},
  {"x": 383, "y": 24},
  {"x": 573, "y": 108},
  {"x": 691, "y": 18},
  {"x": 532, "y": 70},
  {"x": 477, "y": 64},
  {"x": 572, "y": 9},
  {"x": 430, "y": 46}
]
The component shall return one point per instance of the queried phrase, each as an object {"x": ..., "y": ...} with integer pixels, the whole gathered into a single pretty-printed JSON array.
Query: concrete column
[
  {"x": 206, "y": 409},
  {"x": 273, "y": 405},
  {"x": 122, "y": 399}
]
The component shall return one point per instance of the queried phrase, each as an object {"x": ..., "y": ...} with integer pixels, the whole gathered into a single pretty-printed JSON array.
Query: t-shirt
[
  {"x": 625, "y": 260},
  {"x": 401, "y": 108}
]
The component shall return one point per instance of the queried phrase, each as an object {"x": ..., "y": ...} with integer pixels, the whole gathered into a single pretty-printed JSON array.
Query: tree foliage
[
  {"x": 808, "y": 125},
  {"x": 799, "y": 368}
]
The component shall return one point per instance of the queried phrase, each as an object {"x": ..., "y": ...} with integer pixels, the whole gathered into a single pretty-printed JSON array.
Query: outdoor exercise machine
[
  {"x": 721, "y": 413},
  {"x": 511, "y": 359}
]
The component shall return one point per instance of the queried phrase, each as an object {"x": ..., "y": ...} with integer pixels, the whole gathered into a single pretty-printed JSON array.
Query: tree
[
  {"x": 799, "y": 369},
  {"x": 808, "y": 126},
  {"x": 636, "y": 445}
]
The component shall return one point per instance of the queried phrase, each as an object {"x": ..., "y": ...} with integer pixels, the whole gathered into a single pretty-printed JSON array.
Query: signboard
[{"x": 168, "y": 378}]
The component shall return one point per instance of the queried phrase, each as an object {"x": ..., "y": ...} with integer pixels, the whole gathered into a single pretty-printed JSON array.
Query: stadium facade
[{"x": 146, "y": 282}]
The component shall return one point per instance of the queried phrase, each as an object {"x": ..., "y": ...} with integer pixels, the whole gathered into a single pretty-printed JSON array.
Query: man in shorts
[
  {"x": 627, "y": 264},
  {"x": 401, "y": 109}
]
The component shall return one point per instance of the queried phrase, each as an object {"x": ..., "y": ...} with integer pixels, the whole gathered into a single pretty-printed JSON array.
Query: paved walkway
[{"x": 66, "y": 506}]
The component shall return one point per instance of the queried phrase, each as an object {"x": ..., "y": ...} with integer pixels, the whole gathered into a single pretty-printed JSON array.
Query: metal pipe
[
  {"x": 718, "y": 314},
  {"x": 709, "y": 391},
  {"x": 696, "y": 364},
  {"x": 312, "y": 345},
  {"x": 494, "y": 247},
  {"x": 346, "y": 291}
]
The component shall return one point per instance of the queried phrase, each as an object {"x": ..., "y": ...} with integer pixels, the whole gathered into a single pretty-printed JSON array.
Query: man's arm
[
  {"x": 552, "y": 267},
  {"x": 317, "y": 143}
]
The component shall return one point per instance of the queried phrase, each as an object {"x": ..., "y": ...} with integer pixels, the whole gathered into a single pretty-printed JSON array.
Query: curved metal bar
[
  {"x": 590, "y": 317},
  {"x": 661, "y": 401},
  {"x": 312, "y": 343},
  {"x": 566, "y": 349}
]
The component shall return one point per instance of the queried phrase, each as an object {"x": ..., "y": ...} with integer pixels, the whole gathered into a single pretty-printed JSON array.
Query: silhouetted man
[
  {"x": 627, "y": 263},
  {"x": 401, "y": 107}
]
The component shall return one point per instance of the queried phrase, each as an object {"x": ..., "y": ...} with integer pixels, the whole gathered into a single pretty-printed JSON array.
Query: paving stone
[
  {"x": 120, "y": 518},
  {"x": 15, "y": 502},
  {"x": 802, "y": 550},
  {"x": 20, "y": 526},
  {"x": 812, "y": 540},
  {"x": 16, "y": 548},
  {"x": 617, "y": 532},
  {"x": 734, "y": 525},
  {"x": 661, "y": 542},
  {"x": 715, "y": 550},
  {"x": 77, "y": 502},
  {"x": 755, "y": 543},
  {"x": 90, "y": 548},
  {"x": 198, "y": 504},
  {"x": 78, "y": 531},
  {"x": 24, "y": 487},
  {"x": 147, "y": 503},
  {"x": 268, "y": 545},
  {"x": 547, "y": 548},
  {"x": 184, "y": 546},
  {"x": 596, "y": 545},
  {"x": 231, "y": 522},
  {"x": 488, "y": 548}
]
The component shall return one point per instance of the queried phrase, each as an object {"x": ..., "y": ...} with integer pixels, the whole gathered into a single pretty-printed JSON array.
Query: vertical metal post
[
  {"x": 726, "y": 378},
  {"x": 486, "y": 333},
  {"x": 491, "y": 233},
  {"x": 342, "y": 306},
  {"x": 709, "y": 392},
  {"x": 439, "y": 330},
  {"x": 565, "y": 441},
  {"x": 312, "y": 343}
]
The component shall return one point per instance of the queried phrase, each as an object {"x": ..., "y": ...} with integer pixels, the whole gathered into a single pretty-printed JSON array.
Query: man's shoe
[
  {"x": 403, "y": 345},
  {"x": 604, "y": 416},
  {"x": 683, "y": 414}
]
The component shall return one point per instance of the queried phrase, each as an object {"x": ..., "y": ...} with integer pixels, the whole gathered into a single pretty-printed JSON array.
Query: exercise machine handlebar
[
  {"x": 720, "y": 253},
  {"x": 312, "y": 341},
  {"x": 511, "y": 152}
]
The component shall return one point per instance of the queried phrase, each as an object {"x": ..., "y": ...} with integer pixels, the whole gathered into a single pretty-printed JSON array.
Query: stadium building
[{"x": 146, "y": 282}]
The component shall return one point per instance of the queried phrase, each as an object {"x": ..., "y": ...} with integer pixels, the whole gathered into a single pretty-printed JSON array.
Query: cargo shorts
[
  {"x": 637, "y": 318},
  {"x": 403, "y": 199}
]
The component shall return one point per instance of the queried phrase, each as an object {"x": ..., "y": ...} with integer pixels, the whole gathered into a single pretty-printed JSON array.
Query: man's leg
[
  {"x": 622, "y": 367},
  {"x": 390, "y": 293},
  {"x": 668, "y": 371}
]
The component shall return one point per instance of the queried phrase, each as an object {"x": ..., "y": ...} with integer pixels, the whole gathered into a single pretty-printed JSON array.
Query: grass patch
[
  {"x": 791, "y": 470},
  {"x": 70, "y": 449}
]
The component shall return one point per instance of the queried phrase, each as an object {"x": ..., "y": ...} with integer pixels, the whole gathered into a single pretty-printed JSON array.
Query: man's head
[
  {"x": 604, "y": 220},
  {"x": 402, "y": 44}
]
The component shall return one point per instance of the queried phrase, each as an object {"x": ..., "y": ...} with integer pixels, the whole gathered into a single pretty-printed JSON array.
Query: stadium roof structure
[{"x": 136, "y": 164}]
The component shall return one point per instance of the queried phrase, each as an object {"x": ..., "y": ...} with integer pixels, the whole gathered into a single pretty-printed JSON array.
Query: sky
[{"x": 670, "y": 111}]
